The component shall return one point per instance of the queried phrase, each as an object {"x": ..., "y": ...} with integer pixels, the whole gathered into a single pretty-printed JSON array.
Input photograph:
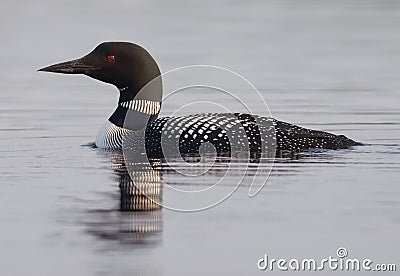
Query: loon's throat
[
  {"x": 143, "y": 101},
  {"x": 134, "y": 111},
  {"x": 127, "y": 93}
]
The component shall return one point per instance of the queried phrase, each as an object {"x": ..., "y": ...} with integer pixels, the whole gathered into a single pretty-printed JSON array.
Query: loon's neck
[{"x": 136, "y": 108}]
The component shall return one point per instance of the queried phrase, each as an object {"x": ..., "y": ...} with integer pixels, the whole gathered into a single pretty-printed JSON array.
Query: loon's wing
[{"x": 294, "y": 138}]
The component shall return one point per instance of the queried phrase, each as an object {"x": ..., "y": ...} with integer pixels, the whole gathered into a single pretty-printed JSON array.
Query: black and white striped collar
[{"x": 143, "y": 106}]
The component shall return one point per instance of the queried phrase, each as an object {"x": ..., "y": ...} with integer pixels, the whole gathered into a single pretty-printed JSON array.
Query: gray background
[{"x": 331, "y": 65}]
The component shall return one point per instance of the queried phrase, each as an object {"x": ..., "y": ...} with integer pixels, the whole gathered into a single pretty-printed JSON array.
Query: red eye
[{"x": 110, "y": 58}]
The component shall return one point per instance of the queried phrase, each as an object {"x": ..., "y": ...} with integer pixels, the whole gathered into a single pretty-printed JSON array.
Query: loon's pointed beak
[{"x": 77, "y": 66}]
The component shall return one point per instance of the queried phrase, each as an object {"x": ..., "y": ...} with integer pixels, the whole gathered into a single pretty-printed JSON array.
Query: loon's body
[
  {"x": 289, "y": 137},
  {"x": 131, "y": 68}
]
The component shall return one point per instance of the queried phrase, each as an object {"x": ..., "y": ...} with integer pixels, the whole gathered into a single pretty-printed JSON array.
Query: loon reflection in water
[
  {"x": 139, "y": 221},
  {"x": 131, "y": 69}
]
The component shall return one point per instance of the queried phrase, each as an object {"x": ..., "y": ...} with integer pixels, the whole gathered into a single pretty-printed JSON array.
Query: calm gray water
[{"x": 328, "y": 65}]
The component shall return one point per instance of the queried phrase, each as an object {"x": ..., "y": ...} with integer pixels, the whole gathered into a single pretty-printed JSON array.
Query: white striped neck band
[{"x": 144, "y": 106}]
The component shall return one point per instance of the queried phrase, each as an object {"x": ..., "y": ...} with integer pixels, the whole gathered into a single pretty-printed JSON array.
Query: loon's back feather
[{"x": 294, "y": 138}]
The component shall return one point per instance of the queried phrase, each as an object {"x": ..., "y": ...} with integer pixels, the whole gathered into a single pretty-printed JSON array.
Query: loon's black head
[
  {"x": 123, "y": 64},
  {"x": 129, "y": 67}
]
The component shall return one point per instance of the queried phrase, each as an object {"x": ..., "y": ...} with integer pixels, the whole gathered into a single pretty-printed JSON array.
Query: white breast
[{"x": 110, "y": 136}]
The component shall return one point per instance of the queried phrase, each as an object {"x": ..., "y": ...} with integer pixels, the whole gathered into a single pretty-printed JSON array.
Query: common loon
[{"x": 130, "y": 67}]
